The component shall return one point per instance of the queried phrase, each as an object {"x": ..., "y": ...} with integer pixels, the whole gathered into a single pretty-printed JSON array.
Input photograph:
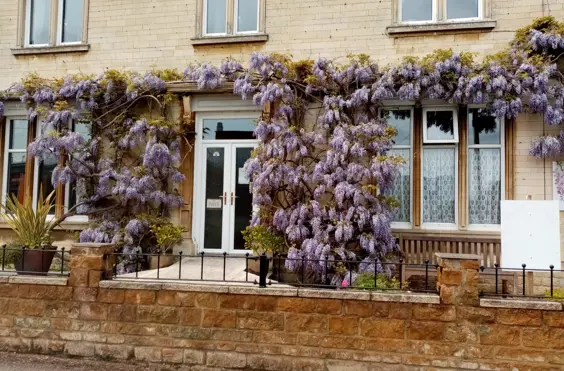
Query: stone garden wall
[{"x": 211, "y": 327}]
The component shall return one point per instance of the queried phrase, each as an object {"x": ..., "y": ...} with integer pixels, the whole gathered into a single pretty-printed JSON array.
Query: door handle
[
  {"x": 232, "y": 197},
  {"x": 224, "y": 198}
]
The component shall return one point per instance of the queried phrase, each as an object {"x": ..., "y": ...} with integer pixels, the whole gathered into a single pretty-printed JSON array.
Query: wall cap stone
[
  {"x": 444, "y": 255},
  {"x": 406, "y": 298},
  {"x": 4, "y": 278},
  {"x": 91, "y": 244},
  {"x": 276, "y": 291},
  {"x": 39, "y": 280},
  {"x": 521, "y": 304},
  {"x": 334, "y": 294}
]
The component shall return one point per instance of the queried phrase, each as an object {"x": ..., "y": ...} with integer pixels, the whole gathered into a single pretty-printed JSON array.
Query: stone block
[
  {"x": 363, "y": 309},
  {"x": 111, "y": 296},
  {"x": 47, "y": 346},
  {"x": 107, "y": 351},
  {"x": 78, "y": 278},
  {"x": 384, "y": 328},
  {"x": 420, "y": 330},
  {"x": 94, "y": 278},
  {"x": 274, "y": 337},
  {"x": 260, "y": 320},
  {"x": 93, "y": 311},
  {"x": 554, "y": 319},
  {"x": 519, "y": 317},
  {"x": 332, "y": 341},
  {"x": 26, "y": 307},
  {"x": 192, "y": 316},
  {"x": 174, "y": 298},
  {"x": 461, "y": 332},
  {"x": 269, "y": 363},
  {"x": 235, "y": 335},
  {"x": 81, "y": 349},
  {"x": 148, "y": 354},
  {"x": 476, "y": 314},
  {"x": 62, "y": 309},
  {"x": 451, "y": 277},
  {"x": 306, "y": 323},
  {"x": 158, "y": 314},
  {"x": 171, "y": 355},
  {"x": 306, "y": 305},
  {"x": 401, "y": 310},
  {"x": 142, "y": 297},
  {"x": 226, "y": 360},
  {"x": 122, "y": 312},
  {"x": 193, "y": 357},
  {"x": 248, "y": 302},
  {"x": 31, "y": 322},
  {"x": 499, "y": 335},
  {"x": 344, "y": 325},
  {"x": 429, "y": 312},
  {"x": 547, "y": 338},
  {"x": 85, "y": 294},
  {"x": 219, "y": 318},
  {"x": 207, "y": 300}
]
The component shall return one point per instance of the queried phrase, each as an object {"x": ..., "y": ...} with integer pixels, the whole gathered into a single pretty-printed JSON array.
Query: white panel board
[{"x": 530, "y": 234}]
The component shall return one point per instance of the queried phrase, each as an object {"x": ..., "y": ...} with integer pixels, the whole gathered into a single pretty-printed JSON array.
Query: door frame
[{"x": 198, "y": 222}]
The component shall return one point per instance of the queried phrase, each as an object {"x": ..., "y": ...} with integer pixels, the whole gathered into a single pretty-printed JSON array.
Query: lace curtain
[
  {"x": 439, "y": 185},
  {"x": 484, "y": 186},
  {"x": 402, "y": 188}
]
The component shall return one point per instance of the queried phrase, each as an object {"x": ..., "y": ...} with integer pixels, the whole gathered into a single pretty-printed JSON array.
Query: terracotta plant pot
[
  {"x": 35, "y": 262},
  {"x": 254, "y": 263}
]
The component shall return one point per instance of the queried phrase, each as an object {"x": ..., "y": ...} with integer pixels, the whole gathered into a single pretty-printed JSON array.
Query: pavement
[{"x": 29, "y": 362}]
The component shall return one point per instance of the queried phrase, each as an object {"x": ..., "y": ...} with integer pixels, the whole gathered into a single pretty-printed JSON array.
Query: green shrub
[
  {"x": 260, "y": 240},
  {"x": 558, "y": 294},
  {"x": 167, "y": 235},
  {"x": 383, "y": 282},
  {"x": 10, "y": 255}
]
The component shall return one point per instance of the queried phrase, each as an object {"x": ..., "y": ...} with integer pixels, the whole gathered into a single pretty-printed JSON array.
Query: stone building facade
[{"x": 57, "y": 37}]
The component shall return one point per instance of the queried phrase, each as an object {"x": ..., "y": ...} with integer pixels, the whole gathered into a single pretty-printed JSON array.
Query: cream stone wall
[{"x": 138, "y": 34}]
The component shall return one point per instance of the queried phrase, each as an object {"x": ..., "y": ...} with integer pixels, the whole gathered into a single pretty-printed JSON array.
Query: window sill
[
  {"x": 51, "y": 49},
  {"x": 231, "y": 39},
  {"x": 399, "y": 30}
]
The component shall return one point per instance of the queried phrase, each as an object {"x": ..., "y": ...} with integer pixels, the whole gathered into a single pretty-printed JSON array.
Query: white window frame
[
  {"x": 6, "y": 153},
  {"x": 441, "y": 226},
  {"x": 501, "y": 147},
  {"x": 28, "y": 27},
  {"x": 236, "y": 19},
  {"x": 60, "y": 21},
  {"x": 454, "y": 111},
  {"x": 434, "y": 13},
  {"x": 405, "y": 225},
  {"x": 205, "y": 20},
  {"x": 479, "y": 17}
]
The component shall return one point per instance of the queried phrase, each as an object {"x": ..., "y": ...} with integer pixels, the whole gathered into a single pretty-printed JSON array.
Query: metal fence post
[{"x": 263, "y": 270}]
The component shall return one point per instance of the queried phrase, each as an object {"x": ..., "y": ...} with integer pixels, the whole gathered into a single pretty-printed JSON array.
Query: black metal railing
[
  {"x": 520, "y": 282},
  {"x": 267, "y": 271},
  {"x": 37, "y": 262}
]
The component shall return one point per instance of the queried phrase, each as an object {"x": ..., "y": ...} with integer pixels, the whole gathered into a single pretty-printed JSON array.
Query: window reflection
[{"x": 225, "y": 129}]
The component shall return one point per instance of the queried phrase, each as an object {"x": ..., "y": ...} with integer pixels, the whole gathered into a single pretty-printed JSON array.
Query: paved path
[{"x": 25, "y": 362}]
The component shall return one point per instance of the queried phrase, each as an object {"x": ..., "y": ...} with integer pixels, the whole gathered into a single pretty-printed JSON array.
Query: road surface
[{"x": 25, "y": 362}]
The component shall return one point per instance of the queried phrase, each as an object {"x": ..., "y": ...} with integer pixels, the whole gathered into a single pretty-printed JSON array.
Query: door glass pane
[
  {"x": 244, "y": 199},
  {"x": 18, "y": 134},
  {"x": 215, "y": 167},
  {"x": 16, "y": 175},
  {"x": 440, "y": 125},
  {"x": 483, "y": 128},
  {"x": 484, "y": 186},
  {"x": 416, "y": 10},
  {"x": 402, "y": 188},
  {"x": 401, "y": 120},
  {"x": 224, "y": 129},
  {"x": 247, "y": 15},
  {"x": 216, "y": 16},
  {"x": 439, "y": 185},
  {"x": 462, "y": 9},
  {"x": 72, "y": 20},
  {"x": 40, "y": 16},
  {"x": 46, "y": 168}
]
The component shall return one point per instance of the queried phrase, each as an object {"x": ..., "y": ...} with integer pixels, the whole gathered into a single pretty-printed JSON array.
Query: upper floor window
[
  {"x": 224, "y": 17},
  {"x": 427, "y": 11},
  {"x": 48, "y": 23}
]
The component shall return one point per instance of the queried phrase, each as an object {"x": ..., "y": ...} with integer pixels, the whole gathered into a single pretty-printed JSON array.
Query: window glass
[
  {"x": 482, "y": 127},
  {"x": 402, "y": 188},
  {"x": 462, "y": 9},
  {"x": 216, "y": 16},
  {"x": 16, "y": 175},
  {"x": 247, "y": 15},
  {"x": 440, "y": 125},
  {"x": 40, "y": 16},
  {"x": 72, "y": 20},
  {"x": 416, "y": 10},
  {"x": 18, "y": 134},
  {"x": 439, "y": 185},
  {"x": 45, "y": 185},
  {"x": 401, "y": 120},
  {"x": 484, "y": 185},
  {"x": 222, "y": 129}
]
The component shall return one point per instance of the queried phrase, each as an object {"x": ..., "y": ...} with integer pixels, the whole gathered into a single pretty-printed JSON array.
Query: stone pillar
[
  {"x": 457, "y": 278},
  {"x": 89, "y": 264}
]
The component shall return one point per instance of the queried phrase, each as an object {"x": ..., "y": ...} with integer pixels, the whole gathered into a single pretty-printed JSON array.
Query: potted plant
[
  {"x": 262, "y": 240},
  {"x": 167, "y": 235},
  {"x": 33, "y": 229}
]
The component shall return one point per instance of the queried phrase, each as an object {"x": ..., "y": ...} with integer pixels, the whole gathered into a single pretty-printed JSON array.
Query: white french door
[{"x": 225, "y": 205}]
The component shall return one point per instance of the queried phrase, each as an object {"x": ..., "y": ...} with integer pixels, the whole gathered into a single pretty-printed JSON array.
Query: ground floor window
[{"x": 454, "y": 172}]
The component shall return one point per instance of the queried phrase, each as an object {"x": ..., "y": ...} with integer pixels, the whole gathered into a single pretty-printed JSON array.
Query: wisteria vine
[{"x": 320, "y": 185}]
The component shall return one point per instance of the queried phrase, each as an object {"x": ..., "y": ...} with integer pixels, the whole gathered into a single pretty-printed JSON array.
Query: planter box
[
  {"x": 161, "y": 261},
  {"x": 35, "y": 261}
]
